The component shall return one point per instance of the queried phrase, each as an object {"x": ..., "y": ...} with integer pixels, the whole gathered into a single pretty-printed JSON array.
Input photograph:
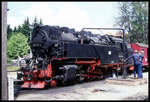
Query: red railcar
[{"x": 143, "y": 48}]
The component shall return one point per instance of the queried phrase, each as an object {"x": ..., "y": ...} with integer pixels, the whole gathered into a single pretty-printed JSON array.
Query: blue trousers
[{"x": 138, "y": 69}]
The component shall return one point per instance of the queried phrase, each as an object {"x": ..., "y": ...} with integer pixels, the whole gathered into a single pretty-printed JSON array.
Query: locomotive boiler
[{"x": 61, "y": 55}]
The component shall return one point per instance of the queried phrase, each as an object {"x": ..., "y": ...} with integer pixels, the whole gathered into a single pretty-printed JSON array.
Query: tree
[
  {"x": 41, "y": 23},
  {"x": 17, "y": 46},
  {"x": 9, "y": 31},
  {"x": 25, "y": 28},
  {"x": 19, "y": 29},
  {"x": 15, "y": 29},
  {"x": 35, "y": 20},
  {"x": 134, "y": 19}
]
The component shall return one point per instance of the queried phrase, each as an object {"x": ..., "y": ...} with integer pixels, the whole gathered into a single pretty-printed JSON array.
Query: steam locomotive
[{"x": 61, "y": 55}]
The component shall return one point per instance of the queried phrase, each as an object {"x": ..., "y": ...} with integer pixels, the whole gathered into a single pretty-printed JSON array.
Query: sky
[{"x": 70, "y": 14}]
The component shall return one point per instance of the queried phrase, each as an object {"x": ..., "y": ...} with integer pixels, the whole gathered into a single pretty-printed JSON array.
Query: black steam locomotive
[{"x": 61, "y": 55}]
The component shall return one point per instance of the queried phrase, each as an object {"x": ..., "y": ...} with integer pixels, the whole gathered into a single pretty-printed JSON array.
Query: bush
[{"x": 17, "y": 46}]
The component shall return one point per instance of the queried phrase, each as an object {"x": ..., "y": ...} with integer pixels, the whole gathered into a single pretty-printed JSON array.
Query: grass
[{"x": 13, "y": 68}]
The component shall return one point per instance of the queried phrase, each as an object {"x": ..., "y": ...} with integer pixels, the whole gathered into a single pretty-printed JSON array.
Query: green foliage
[
  {"x": 9, "y": 31},
  {"x": 35, "y": 21},
  {"x": 19, "y": 29},
  {"x": 17, "y": 46},
  {"x": 15, "y": 29},
  {"x": 18, "y": 39},
  {"x": 8, "y": 60},
  {"x": 25, "y": 28},
  {"x": 41, "y": 23},
  {"x": 134, "y": 18}
]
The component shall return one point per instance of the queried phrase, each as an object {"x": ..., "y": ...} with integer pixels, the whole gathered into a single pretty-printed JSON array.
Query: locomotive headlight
[{"x": 109, "y": 52}]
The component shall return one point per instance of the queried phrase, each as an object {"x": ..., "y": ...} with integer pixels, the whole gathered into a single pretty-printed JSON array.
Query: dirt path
[{"x": 96, "y": 90}]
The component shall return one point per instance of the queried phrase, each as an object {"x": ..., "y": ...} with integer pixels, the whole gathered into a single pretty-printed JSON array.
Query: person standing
[
  {"x": 19, "y": 60},
  {"x": 140, "y": 70},
  {"x": 137, "y": 58}
]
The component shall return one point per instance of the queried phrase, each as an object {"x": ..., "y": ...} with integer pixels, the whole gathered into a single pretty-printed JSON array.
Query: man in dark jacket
[{"x": 137, "y": 58}]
